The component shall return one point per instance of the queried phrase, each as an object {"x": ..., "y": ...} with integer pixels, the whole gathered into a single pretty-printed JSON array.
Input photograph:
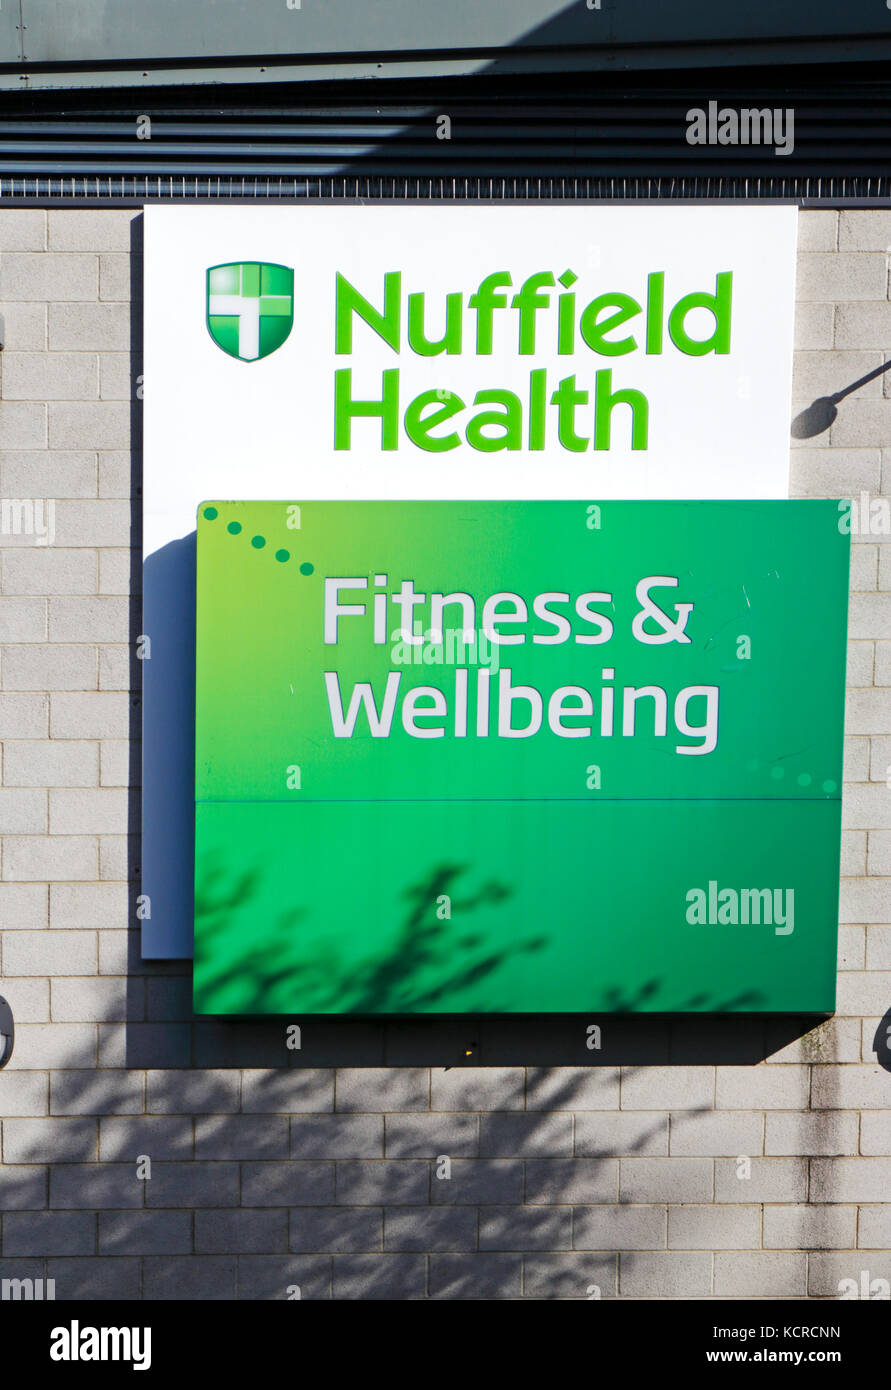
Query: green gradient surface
[{"x": 326, "y": 868}]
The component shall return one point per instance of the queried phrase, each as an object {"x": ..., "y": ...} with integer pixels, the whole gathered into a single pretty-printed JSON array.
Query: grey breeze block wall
[{"x": 693, "y": 1158}]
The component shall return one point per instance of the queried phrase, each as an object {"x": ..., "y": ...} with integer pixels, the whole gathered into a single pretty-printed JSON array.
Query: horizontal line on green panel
[{"x": 520, "y": 800}]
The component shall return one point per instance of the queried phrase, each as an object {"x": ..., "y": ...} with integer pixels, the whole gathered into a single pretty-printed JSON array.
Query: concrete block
[
  {"x": 89, "y": 327},
  {"x": 49, "y": 1233},
  {"x": 430, "y": 1228},
  {"x": 116, "y": 379},
  {"x": 189, "y": 1184},
  {"x": 558, "y": 1181},
  {"x": 115, "y": 276},
  {"x": 809, "y": 1227},
  {"x": 23, "y": 1093},
  {"x": 768, "y": 1180},
  {"x": 145, "y": 1232},
  {"x": 526, "y": 1228},
  {"x": 23, "y": 716},
  {"x": 364, "y": 1089},
  {"x": 635, "y": 1133},
  {"x": 478, "y": 1277},
  {"x": 873, "y": 1228},
  {"x": 31, "y": 859},
  {"x": 48, "y": 570},
  {"x": 477, "y": 1088},
  {"x": 94, "y": 810},
  {"x": 337, "y": 1136},
  {"x": 731, "y": 1227},
  {"x": 619, "y": 1228},
  {"x": 22, "y": 812},
  {"x": 88, "y": 229},
  {"x": 814, "y": 325},
  {"x": 49, "y": 953},
  {"x": 335, "y": 1229},
  {"x": 197, "y": 1092},
  {"x": 198, "y": 1277},
  {"x": 49, "y": 1141},
  {"x": 22, "y": 229},
  {"x": 764, "y": 1087},
  {"x": 471, "y": 1182},
  {"x": 818, "y": 231},
  {"x": 666, "y": 1180},
  {"x": 241, "y": 1137},
  {"x": 89, "y": 424},
  {"x": 718, "y": 1135},
  {"x": 97, "y": 1092},
  {"x": 115, "y": 468},
  {"x": 23, "y": 906},
  {"x": 382, "y": 1182},
  {"x": 89, "y": 619},
  {"x": 29, "y": 276},
  {"x": 429, "y": 1136},
  {"x": 831, "y": 1274},
  {"x": 51, "y": 1044},
  {"x": 23, "y": 425},
  {"x": 124, "y": 1139},
  {"x": 107, "y": 1000},
  {"x": 803, "y": 1132},
  {"x": 569, "y": 1275},
  {"x": 50, "y": 376},
  {"x": 847, "y": 276},
  {"x": 89, "y": 1277},
  {"x": 86, "y": 1186},
  {"x": 116, "y": 669},
  {"x": 257, "y": 1232},
  {"x": 290, "y": 1184},
  {"x": 88, "y": 905},
  {"x": 399, "y": 1278},
  {"x": 93, "y": 522},
  {"x": 864, "y": 230},
  {"x": 45, "y": 474},
  {"x": 864, "y": 900},
  {"x": 674, "y": 1088},
  {"x": 760, "y": 1275},
  {"x": 48, "y": 668},
  {"x": 665, "y": 1274},
  {"x": 96, "y": 714},
  {"x": 542, "y": 1135},
  {"x": 591, "y": 1088},
  {"x": 275, "y": 1277}
]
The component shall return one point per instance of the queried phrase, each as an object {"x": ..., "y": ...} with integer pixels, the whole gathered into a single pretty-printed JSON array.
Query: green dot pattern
[
  {"x": 804, "y": 779},
  {"x": 258, "y": 542}
]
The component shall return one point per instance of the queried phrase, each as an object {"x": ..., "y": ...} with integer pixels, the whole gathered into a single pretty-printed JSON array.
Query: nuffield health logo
[{"x": 250, "y": 307}]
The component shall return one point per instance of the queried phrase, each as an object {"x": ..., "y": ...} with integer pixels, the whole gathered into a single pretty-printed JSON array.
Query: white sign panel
[{"x": 461, "y": 351}]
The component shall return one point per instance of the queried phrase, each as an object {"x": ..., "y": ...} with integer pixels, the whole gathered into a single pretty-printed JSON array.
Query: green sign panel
[{"x": 518, "y": 757}]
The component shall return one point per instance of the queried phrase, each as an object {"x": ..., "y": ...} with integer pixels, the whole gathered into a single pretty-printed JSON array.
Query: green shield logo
[{"x": 250, "y": 307}]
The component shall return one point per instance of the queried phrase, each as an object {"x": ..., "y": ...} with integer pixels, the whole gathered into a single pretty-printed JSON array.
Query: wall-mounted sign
[
  {"x": 518, "y": 757},
  {"x": 438, "y": 351}
]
